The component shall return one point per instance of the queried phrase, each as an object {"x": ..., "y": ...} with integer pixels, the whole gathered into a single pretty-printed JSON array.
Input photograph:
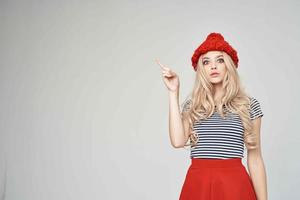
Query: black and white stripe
[
  {"x": 221, "y": 138},
  {"x": 255, "y": 110}
]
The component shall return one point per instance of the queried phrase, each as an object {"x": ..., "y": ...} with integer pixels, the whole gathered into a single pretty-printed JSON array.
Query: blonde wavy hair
[{"x": 235, "y": 99}]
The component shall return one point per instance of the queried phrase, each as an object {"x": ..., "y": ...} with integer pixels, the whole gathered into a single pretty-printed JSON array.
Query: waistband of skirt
[{"x": 215, "y": 162}]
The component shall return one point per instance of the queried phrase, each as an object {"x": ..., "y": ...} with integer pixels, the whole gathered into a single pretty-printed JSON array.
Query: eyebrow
[{"x": 216, "y": 57}]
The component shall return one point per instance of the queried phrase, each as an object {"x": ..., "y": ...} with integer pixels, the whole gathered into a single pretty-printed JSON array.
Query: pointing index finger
[{"x": 160, "y": 64}]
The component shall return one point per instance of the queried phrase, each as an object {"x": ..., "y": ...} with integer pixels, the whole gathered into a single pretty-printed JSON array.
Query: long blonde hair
[{"x": 235, "y": 99}]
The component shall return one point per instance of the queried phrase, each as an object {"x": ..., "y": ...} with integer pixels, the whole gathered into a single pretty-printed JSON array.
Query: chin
[{"x": 216, "y": 81}]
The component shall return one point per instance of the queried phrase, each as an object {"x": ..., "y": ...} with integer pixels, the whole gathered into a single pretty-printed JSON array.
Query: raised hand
[{"x": 170, "y": 78}]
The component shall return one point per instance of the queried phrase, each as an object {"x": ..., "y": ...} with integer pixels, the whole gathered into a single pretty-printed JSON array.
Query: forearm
[
  {"x": 258, "y": 175},
  {"x": 176, "y": 130}
]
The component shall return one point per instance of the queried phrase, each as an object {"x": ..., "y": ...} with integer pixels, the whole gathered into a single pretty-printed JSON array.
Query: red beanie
[{"x": 214, "y": 41}]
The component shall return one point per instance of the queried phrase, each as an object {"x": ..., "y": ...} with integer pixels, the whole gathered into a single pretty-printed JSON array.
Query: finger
[
  {"x": 165, "y": 71},
  {"x": 157, "y": 61},
  {"x": 167, "y": 74},
  {"x": 167, "y": 68},
  {"x": 161, "y": 65},
  {"x": 172, "y": 73}
]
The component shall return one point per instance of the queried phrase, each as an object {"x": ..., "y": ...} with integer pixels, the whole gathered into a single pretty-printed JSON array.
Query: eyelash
[{"x": 218, "y": 60}]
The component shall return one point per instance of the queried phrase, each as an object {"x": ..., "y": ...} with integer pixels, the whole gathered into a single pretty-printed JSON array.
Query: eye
[
  {"x": 204, "y": 62},
  {"x": 221, "y": 59}
]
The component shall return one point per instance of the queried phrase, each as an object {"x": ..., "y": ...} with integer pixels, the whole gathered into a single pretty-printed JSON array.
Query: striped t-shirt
[{"x": 221, "y": 138}]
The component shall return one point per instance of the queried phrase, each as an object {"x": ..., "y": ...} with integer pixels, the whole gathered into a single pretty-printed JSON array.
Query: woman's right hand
[{"x": 170, "y": 78}]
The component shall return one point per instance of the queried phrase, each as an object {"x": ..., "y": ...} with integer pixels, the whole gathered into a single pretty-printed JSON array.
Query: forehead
[{"x": 212, "y": 54}]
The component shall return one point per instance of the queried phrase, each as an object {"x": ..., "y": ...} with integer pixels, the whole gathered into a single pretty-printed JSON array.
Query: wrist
[{"x": 174, "y": 93}]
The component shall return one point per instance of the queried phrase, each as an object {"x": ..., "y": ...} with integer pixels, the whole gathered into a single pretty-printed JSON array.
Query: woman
[{"x": 219, "y": 120}]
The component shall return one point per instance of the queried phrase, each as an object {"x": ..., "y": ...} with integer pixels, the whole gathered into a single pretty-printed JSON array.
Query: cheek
[
  {"x": 223, "y": 68},
  {"x": 207, "y": 70}
]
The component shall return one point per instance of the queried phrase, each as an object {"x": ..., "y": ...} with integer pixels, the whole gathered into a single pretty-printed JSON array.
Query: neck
[{"x": 218, "y": 93}]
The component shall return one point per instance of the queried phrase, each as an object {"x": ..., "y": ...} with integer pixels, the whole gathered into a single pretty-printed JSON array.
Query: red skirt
[{"x": 217, "y": 179}]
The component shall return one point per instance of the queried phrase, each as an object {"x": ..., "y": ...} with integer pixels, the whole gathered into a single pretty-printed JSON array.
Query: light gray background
[{"x": 84, "y": 111}]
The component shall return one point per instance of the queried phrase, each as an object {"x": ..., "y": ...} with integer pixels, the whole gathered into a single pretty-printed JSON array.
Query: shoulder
[
  {"x": 254, "y": 102},
  {"x": 255, "y": 108}
]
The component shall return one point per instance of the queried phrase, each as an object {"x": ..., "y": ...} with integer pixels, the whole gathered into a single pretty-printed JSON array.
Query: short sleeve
[
  {"x": 255, "y": 109},
  {"x": 186, "y": 105}
]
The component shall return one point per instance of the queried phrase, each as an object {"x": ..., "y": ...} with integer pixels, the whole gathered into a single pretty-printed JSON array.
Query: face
[{"x": 214, "y": 66}]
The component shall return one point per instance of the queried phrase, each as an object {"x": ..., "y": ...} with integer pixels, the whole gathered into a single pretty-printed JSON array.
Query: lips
[{"x": 214, "y": 74}]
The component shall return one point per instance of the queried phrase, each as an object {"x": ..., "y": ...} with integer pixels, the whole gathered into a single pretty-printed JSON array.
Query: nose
[{"x": 213, "y": 66}]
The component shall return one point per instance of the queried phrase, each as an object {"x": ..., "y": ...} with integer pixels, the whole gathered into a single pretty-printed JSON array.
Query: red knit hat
[{"x": 214, "y": 41}]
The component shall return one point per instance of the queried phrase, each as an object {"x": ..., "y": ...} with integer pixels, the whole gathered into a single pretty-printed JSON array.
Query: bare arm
[
  {"x": 178, "y": 128},
  {"x": 256, "y": 165}
]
